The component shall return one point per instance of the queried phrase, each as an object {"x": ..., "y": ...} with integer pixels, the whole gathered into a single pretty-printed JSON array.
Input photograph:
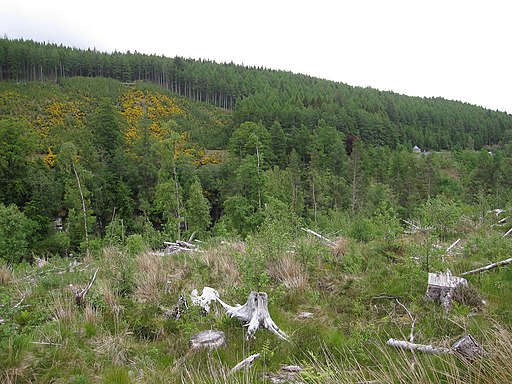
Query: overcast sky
[{"x": 456, "y": 49}]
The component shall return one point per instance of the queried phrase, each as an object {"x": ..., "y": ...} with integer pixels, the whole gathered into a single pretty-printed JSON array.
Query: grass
[{"x": 127, "y": 331}]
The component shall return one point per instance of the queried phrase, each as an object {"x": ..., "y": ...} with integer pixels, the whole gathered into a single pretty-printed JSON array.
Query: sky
[{"x": 455, "y": 49}]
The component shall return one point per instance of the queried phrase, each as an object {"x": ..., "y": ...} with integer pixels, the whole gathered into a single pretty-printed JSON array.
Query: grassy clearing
[{"x": 127, "y": 331}]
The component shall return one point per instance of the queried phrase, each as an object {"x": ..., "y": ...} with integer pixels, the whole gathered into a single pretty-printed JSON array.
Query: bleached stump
[
  {"x": 207, "y": 296},
  {"x": 254, "y": 313},
  {"x": 207, "y": 339},
  {"x": 441, "y": 286}
]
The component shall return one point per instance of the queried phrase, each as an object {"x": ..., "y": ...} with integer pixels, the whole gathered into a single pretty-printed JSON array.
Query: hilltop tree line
[{"x": 297, "y": 102}]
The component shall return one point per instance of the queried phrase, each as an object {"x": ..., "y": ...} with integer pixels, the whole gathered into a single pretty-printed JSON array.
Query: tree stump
[
  {"x": 210, "y": 339},
  {"x": 468, "y": 348},
  {"x": 441, "y": 287},
  {"x": 254, "y": 313}
]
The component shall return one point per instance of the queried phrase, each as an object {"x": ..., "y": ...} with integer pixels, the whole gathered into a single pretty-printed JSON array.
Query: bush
[{"x": 15, "y": 231}]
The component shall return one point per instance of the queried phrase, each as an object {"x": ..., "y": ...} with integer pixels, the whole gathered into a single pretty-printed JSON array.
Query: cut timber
[
  {"x": 210, "y": 339},
  {"x": 487, "y": 267},
  {"x": 328, "y": 241},
  {"x": 254, "y": 313},
  {"x": 402, "y": 344},
  {"x": 441, "y": 286},
  {"x": 245, "y": 363}
]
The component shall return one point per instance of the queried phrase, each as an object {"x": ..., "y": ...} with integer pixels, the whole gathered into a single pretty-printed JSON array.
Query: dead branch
[
  {"x": 402, "y": 344},
  {"x": 466, "y": 347},
  {"x": 508, "y": 232},
  {"x": 411, "y": 336},
  {"x": 80, "y": 295},
  {"x": 330, "y": 242},
  {"x": 245, "y": 363},
  {"x": 451, "y": 246},
  {"x": 487, "y": 267}
]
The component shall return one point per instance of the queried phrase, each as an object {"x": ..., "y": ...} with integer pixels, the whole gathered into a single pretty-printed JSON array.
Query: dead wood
[
  {"x": 210, "y": 339},
  {"x": 323, "y": 238},
  {"x": 80, "y": 294},
  {"x": 245, "y": 363},
  {"x": 466, "y": 348},
  {"x": 487, "y": 267},
  {"x": 441, "y": 286},
  {"x": 254, "y": 313},
  {"x": 402, "y": 344}
]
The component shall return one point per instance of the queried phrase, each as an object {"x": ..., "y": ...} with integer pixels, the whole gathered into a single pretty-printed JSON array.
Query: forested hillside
[
  {"x": 306, "y": 191},
  {"x": 296, "y": 101},
  {"x": 124, "y": 150}
]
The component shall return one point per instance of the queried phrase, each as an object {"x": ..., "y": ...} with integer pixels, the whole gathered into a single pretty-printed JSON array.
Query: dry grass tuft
[
  {"x": 92, "y": 314},
  {"x": 109, "y": 294},
  {"x": 152, "y": 278},
  {"x": 64, "y": 307},
  {"x": 289, "y": 272},
  {"x": 341, "y": 248},
  {"x": 222, "y": 264},
  {"x": 115, "y": 347},
  {"x": 5, "y": 275}
]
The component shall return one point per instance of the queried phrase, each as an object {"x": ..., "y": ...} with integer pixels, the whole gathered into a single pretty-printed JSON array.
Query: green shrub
[{"x": 15, "y": 231}]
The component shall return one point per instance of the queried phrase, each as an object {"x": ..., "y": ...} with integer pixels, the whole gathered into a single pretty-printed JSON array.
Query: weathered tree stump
[
  {"x": 254, "y": 313},
  {"x": 468, "y": 348},
  {"x": 210, "y": 339},
  {"x": 441, "y": 287}
]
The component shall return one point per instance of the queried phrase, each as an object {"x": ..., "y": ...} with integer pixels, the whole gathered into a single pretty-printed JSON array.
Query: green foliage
[
  {"x": 198, "y": 210},
  {"x": 15, "y": 234}
]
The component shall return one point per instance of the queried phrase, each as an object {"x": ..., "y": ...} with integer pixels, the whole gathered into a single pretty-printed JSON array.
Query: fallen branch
[
  {"x": 402, "y": 344},
  {"x": 508, "y": 232},
  {"x": 487, "y": 267},
  {"x": 411, "y": 336},
  {"x": 466, "y": 348},
  {"x": 80, "y": 295},
  {"x": 451, "y": 246},
  {"x": 329, "y": 241},
  {"x": 245, "y": 363}
]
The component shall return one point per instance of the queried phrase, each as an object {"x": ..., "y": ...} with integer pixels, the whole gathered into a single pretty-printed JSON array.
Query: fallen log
[
  {"x": 466, "y": 348},
  {"x": 402, "y": 344},
  {"x": 487, "y": 267},
  {"x": 329, "y": 241}
]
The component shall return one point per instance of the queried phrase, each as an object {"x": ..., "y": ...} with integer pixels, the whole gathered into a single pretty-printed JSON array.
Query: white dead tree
[{"x": 254, "y": 313}]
